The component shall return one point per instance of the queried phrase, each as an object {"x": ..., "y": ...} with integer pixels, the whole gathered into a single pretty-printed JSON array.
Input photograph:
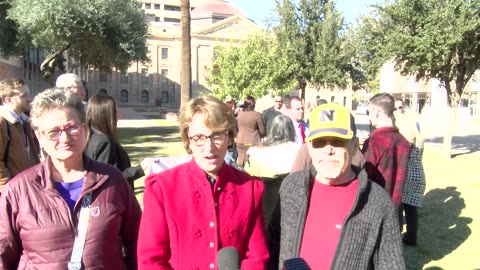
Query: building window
[
  {"x": 171, "y": 8},
  {"x": 164, "y": 53},
  {"x": 124, "y": 96},
  {"x": 171, "y": 20},
  {"x": 164, "y": 97},
  {"x": 149, "y": 17},
  {"x": 157, "y": 19},
  {"x": 102, "y": 77},
  {"x": 163, "y": 76},
  {"x": 144, "y": 75},
  {"x": 148, "y": 6},
  {"x": 103, "y": 91},
  {"x": 144, "y": 96},
  {"x": 123, "y": 77},
  {"x": 156, "y": 6}
]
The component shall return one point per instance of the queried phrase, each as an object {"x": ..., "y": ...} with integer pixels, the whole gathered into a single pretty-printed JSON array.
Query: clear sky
[{"x": 258, "y": 10}]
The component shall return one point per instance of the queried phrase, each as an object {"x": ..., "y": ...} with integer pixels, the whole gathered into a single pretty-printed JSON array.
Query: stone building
[{"x": 213, "y": 22}]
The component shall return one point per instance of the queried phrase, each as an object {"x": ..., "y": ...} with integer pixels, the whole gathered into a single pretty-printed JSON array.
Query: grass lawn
[{"x": 448, "y": 233}]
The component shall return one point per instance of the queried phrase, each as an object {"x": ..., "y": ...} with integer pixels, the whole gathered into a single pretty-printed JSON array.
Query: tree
[
  {"x": 101, "y": 34},
  {"x": 254, "y": 67},
  {"x": 186, "y": 75},
  {"x": 429, "y": 39},
  {"x": 311, "y": 36}
]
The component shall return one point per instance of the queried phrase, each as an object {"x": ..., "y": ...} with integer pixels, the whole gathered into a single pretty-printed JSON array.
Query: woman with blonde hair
[{"x": 193, "y": 210}]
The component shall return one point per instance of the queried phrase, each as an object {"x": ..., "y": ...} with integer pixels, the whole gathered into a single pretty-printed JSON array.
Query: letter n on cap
[{"x": 327, "y": 115}]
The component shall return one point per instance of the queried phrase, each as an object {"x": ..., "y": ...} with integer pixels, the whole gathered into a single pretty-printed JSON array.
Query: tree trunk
[
  {"x": 186, "y": 75},
  {"x": 302, "y": 86},
  {"x": 52, "y": 64},
  {"x": 454, "y": 102}
]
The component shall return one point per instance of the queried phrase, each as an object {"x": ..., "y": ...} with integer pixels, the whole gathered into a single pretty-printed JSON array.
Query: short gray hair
[{"x": 55, "y": 98}]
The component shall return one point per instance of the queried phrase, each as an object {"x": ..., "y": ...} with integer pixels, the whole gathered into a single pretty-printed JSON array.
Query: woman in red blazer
[{"x": 193, "y": 210}]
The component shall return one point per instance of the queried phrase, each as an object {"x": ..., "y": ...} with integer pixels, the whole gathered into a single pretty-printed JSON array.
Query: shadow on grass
[
  {"x": 441, "y": 229},
  {"x": 461, "y": 145}
]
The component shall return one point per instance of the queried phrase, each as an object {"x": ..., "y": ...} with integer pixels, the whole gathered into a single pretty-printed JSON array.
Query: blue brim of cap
[{"x": 330, "y": 132}]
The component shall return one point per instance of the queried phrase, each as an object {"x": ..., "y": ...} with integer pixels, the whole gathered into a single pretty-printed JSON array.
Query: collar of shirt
[{"x": 20, "y": 118}]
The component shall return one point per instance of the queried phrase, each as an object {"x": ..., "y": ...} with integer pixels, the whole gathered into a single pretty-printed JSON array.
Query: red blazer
[{"x": 185, "y": 222}]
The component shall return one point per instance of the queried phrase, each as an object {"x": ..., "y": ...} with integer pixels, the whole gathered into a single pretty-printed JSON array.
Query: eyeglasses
[
  {"x": 216, "y": 138},
  {"x": 55, "y": 133},
  {"x": 321, "y": 143},
  {"x": 279, "y": 101}
]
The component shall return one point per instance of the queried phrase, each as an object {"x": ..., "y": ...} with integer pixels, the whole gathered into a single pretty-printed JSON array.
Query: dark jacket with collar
[
  {"x": 37, "y": 230},
  {"x": 370, "y": 238}
]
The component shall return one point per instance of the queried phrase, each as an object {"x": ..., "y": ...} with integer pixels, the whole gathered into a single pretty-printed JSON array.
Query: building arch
[
  {"x": 124, "y": 96},
  {"x": 103, "y": 91},
  {"x": 144, "y": 96}
]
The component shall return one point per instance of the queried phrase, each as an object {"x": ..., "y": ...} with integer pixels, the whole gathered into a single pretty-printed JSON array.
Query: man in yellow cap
[{"x": 331, "y": 215}]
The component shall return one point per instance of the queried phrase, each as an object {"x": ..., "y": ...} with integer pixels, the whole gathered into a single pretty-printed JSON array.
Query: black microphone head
[
  {"x": 295, "y": 264},
  {"x": 228, "y": 259}
]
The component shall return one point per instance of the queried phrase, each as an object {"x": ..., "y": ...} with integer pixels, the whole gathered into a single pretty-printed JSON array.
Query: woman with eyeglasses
[
  {"x": 195, "y": 209},
  {"x": 102, "y": 142},
  {"x": 68, "y": 212}
]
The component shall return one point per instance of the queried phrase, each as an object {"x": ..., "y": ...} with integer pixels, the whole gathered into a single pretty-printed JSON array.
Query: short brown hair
[
  {"x": 384, "y": 101},
  {"x": 10, "y": 87},
  {"x": 217, "y": 116}
]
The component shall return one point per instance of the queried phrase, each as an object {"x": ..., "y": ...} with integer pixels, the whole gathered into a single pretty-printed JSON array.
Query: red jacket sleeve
[{"x": 153, "y": 241}]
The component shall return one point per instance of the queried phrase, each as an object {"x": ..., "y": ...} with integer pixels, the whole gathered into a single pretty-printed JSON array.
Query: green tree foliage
[
  {"x": 254, "y": 67},
  {"x": 427, "y": 39},
  {"x": 102, "y": 34},
  {"x": 311, "y": 35}
]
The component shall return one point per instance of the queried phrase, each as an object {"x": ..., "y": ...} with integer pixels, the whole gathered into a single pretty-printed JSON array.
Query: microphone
[
  {"x": 228, "y": 259},
  {"x": 295, "y": 264}
]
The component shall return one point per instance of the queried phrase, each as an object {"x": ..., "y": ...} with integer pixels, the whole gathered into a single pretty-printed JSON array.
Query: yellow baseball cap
[{"x": 330, "y": 120}]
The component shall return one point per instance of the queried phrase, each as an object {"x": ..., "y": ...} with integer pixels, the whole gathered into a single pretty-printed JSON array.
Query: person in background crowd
[
  {"x": 71, "y": 82},
  {"x": 250, "y": 129},
  {"x": 68, "y": 211},
  {"x": 18, "y": 148},
  {"x": 194, "y": 209},
  {"x": 272, "y": 160},
  {"x": 232, "y": 154},
  {"x": 273, "y": 111},
  {"x": 295, "y": 111},
  {"x": 102, "y": 142},
  {"x": 415, "y": 182},
  {"x": 386, "y": 151},
  {"x": 331, "y": 214}
]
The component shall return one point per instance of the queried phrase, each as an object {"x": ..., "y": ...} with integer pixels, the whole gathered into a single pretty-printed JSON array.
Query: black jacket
[{"x": 102, "y": 148}]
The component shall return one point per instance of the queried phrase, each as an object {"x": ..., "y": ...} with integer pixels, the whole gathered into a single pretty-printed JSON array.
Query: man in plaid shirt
[{"x": 386, "y": 151}]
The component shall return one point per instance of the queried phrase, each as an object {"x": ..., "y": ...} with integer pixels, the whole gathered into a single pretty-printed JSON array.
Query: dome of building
[{"x": 216, "y": 7}]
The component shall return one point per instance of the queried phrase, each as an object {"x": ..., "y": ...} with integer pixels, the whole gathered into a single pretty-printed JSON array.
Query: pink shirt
[{"x": 329, "y": 206}]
